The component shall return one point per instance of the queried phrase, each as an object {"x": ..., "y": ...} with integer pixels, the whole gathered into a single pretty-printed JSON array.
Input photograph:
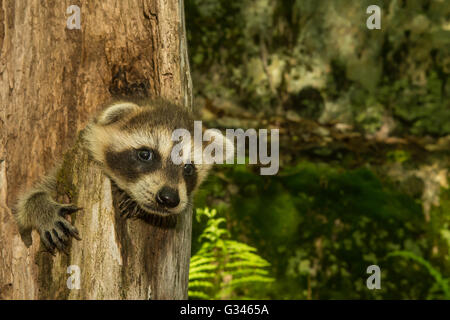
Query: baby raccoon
[{"x": 132, "y": 142}]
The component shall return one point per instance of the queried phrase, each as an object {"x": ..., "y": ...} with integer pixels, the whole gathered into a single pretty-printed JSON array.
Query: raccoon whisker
[
  {"x": 128, "y": 206},
  {"x": 124, "y": 202},
  {"x": 126, "y": 215},
  {"x": 127, "y": 202},
  {"x": 186, "y": 202},
  {"x": 135, "y": 211}
]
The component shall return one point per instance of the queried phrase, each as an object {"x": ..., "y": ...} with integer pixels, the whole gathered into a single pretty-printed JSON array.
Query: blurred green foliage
[
  {"x": 320, "y": 225},
  {"x": 264, "y": 55},
  {"x": 441, "y": 285}
]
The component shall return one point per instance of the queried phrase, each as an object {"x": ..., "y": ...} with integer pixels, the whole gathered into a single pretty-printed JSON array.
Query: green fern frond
[
  {"x": 203, "y": 267},
  {"x": 252, "y": 271},
  {"x": 438, "y": 277},
  {"x": 200, "y": 284},
  {"x": 250, "y": 279},
  {"x": 201, "y": 275},
  {"x": 240, "y": 264},
  {"x": 197, "y": 295},
  {"x": 222, "y": 267},
  {"x": 199, "y": 260}
]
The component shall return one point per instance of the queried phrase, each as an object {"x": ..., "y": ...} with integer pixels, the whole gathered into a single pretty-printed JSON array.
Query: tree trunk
[{"x": 52, "y": 80}]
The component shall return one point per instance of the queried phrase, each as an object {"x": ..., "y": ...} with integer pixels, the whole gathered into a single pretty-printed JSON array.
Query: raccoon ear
[{"x": 115, "y": 112}]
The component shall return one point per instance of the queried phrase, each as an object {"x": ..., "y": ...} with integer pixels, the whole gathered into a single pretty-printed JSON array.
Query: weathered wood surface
[{"x": 52, "y": 80}]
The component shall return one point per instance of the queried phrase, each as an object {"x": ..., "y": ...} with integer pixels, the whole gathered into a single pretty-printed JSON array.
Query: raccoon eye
[
  {"x": 188, "y": 169},
  {"x": 145, "y": 155}
]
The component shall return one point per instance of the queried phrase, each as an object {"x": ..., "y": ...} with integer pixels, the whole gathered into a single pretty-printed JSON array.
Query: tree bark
[{"x": 52, "y": 80}]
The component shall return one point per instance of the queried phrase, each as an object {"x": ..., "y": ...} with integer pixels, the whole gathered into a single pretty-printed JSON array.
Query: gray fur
[{"x": 137, "y": 182}]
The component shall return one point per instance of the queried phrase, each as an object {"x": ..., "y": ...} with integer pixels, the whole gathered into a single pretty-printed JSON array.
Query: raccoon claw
[
  {"x": 57, "y": 232},
  {"x": 68, "y": 229},
  {"x": 68, "y": 209},
  {"x": 48, "y": 243}
]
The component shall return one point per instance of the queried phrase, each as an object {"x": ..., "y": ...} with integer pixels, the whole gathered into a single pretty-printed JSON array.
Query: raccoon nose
[{"x": 168, "y": 197}]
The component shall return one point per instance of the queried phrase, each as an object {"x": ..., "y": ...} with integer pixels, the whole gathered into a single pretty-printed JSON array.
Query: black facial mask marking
[
  {"x": 191, "y": 181},
  {"x": 128, "y": 166}
]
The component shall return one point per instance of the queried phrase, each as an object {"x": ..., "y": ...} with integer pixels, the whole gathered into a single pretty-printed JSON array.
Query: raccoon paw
[{"x": 56, "y": 231}]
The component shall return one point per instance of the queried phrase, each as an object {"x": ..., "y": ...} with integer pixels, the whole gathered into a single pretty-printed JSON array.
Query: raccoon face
[
  {"x": 134, "y": 145},
  {"x": 148, "y": 175}
]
